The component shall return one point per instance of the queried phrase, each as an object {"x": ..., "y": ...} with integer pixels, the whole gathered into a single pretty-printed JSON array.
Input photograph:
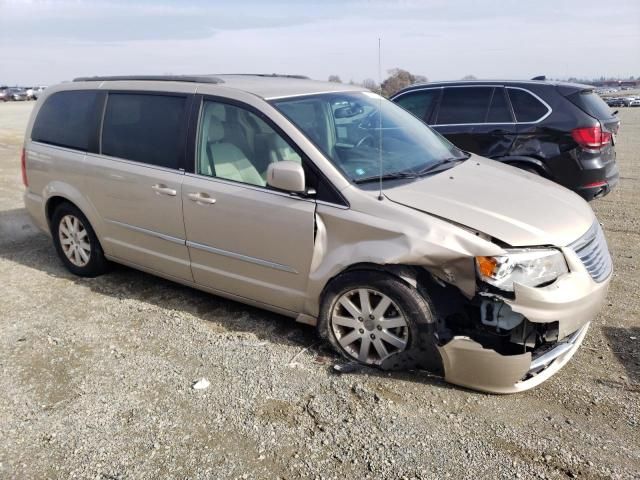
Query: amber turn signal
[{"x": 486, "y": 265}]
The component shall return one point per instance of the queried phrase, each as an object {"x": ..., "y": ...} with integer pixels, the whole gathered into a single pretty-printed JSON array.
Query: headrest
[
  {"x": 216, "y": 130},
  {"x": 218, "y": 110}
]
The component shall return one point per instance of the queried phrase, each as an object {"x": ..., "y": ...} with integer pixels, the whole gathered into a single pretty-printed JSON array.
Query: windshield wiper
[
  {"x": 434, "y": 167},
  {"x": 409, "y": 174},
  {"x": 386, "y": 176}
]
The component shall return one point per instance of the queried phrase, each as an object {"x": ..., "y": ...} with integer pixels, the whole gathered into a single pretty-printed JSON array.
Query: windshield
[{"x": 349, "y": 129}]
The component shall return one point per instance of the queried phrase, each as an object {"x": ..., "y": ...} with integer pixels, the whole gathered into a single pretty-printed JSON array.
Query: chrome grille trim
[{"x": 593, "y": 251}]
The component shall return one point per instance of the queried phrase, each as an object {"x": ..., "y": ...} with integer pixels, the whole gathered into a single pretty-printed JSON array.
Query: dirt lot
[{"x": 96, "y": 374}]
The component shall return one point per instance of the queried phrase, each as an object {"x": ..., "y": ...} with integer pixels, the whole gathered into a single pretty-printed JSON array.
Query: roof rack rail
[
  {"x": 155, "y": 78},
  {"x": 279, "y": 75}
]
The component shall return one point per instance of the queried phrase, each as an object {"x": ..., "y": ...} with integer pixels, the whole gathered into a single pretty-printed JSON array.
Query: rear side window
[
  {"x": 591, "y": 103},
  {"x": 464, "y": 105},
  {"x": 498, "y": 109},
  {"x": 68, "y": 119},
  {"x": 526, "y": 107},
  {"x": 418, "y": 103},
  {"x": 144, "y": 128}
]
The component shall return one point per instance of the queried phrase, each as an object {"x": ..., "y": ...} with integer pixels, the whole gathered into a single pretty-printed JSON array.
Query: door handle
[
  {"x": 164, "y": 190},
  {"x": 201, "y": 198}
]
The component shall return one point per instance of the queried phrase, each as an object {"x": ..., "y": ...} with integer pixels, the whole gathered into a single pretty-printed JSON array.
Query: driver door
[{"x": 245, "y": 238}]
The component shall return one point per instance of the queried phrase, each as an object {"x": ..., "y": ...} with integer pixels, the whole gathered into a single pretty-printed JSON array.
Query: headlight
[{"x": 530, "y": 267}]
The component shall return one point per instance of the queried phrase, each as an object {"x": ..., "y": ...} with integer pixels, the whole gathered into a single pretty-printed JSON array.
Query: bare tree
[
  {"x": 335, "y": 79},
  {"x": 371, "y": 84},
  {"x": 399, "y": 79}
]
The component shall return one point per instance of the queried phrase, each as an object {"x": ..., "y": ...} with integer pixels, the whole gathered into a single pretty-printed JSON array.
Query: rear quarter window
[
  {"x": 68, "y": 119},
  {"x": 591, "y": 103},
  {"x": 526, "y": 107}
]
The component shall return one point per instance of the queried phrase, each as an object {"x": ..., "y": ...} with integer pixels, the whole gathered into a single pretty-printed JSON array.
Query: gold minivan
[{"x": 328, "y": 204}]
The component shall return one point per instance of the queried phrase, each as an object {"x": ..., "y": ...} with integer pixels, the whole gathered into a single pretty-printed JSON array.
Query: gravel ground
[{"x": 96, "y": 377}]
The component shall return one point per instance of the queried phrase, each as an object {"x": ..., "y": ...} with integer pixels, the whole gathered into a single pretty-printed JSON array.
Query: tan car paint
[
  {"x": 514, "y": 206},
  {"x": 484, "y": 199},
  {"x": 252, "y": 242},
  {"x": 468, "y": 364},
  {"x": 141, "y": 209}
]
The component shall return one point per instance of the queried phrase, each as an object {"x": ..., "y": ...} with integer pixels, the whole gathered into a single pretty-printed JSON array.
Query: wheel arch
[
  {"x": 412, "y": 275},
  {"x": 57, "y": 193},
  {"x": 527, "y": 162},
  {"x": 52, "y": 204}
]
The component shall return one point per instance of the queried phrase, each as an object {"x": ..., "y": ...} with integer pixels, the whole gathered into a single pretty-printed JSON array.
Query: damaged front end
[
  {"x": 506, "y": 341},
  {"x": 489, "y": 347}
]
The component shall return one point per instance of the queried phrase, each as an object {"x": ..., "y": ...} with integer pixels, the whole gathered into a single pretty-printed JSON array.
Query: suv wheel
[
  {"x": 76, "y": 242},
  {"x": 373, "y": 317}
]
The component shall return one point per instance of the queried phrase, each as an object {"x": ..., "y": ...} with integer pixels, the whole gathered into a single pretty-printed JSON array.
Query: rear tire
[
  {"x": 76, "y": 243},
  {"x": 376, "y": 319}
]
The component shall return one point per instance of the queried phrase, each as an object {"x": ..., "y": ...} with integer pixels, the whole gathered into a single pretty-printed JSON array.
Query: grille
[{"x": 593, "y": 251}]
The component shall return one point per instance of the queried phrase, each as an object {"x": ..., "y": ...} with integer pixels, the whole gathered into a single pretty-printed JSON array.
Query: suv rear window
[
  {"x": 144, "y": 128},
  {"x": 68, "y": 119},
  {"x": 591, "y": 103},
  {"x": 526, "y": 107},
  {"x": 464, "y": 105}
]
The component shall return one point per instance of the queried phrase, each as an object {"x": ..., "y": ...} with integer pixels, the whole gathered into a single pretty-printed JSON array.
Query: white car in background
[{"x": 34, "y": 93}]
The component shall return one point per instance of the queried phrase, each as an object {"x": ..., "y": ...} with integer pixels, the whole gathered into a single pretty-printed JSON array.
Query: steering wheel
[{"x": 365, "y": 139}]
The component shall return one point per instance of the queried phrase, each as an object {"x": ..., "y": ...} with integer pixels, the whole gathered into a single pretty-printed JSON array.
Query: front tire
[
  {"x": 76, "y": 243},
  {"x": 376, "y": 319}
]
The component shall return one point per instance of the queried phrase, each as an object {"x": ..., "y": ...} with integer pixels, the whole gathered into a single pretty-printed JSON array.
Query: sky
[{"x": 47, "y": 41}]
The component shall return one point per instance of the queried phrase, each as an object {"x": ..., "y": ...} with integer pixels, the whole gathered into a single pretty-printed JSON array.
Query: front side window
[
  {"x": 526, "y": 107},
  {"x": 461, "y": 105},
  {"x": 144, "y": 128},
  {"x": 236, "y": 144},
  {"x": 419, "y": 102},
  {"x": 68, "y": 119},
  {"x": 359, "y": 130}
]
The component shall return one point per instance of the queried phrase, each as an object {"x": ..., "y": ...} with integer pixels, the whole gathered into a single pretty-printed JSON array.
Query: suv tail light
[
  {"x": 23, "y": 167},
  {"x": 591, "y": 137}
]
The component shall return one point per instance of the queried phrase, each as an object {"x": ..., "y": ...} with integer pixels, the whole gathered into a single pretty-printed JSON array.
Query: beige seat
[{"x": 225, "y": 160}]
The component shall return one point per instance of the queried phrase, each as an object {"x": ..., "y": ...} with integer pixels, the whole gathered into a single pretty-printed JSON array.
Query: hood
[{"x": 514, "y": 206}]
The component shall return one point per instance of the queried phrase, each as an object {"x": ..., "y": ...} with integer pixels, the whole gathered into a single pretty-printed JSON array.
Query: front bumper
[
  {"x": 468, "y": 364},
  {"x": 573, "y": 301}
]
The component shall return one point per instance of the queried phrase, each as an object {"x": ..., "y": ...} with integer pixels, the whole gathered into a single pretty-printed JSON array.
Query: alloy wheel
[
  {"x": 74, "y": 240},
  {"x": 369, "y": 326}
]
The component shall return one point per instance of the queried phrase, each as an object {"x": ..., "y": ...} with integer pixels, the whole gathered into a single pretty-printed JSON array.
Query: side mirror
[{"x": 287, "y": 176}]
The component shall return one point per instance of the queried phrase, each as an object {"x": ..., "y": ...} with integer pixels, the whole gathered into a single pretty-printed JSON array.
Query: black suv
[{"x": 562, "y": 131}]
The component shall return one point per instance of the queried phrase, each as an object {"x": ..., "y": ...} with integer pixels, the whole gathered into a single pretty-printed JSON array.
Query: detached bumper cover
[{"x": 468, "y": 364}]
